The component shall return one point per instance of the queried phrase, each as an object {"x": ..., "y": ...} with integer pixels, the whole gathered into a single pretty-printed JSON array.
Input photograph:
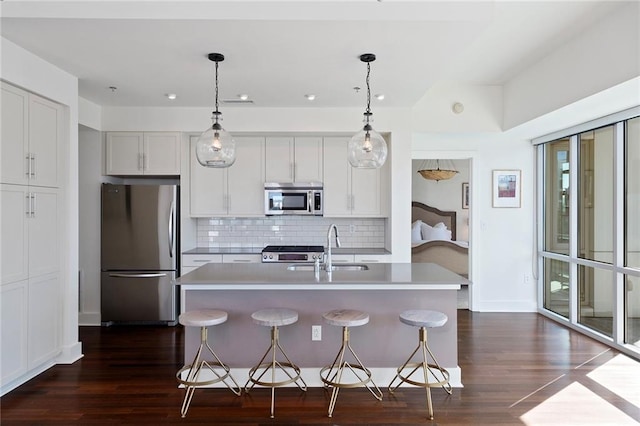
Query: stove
[{"x": 292, "y": 253}]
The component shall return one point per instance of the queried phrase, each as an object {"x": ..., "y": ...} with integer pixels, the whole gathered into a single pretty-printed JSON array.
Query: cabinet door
[
  {"x": 246, "y": 178},
  {"x": 15, "y": 206},
  {"x": 279, "y": 159},
  {"x": 44, "y": 312},
  {"x": 161, "y": 153},
  {"x": 365, "y": 192},
  {"x": 208, "y": 188},
  {"x": 13, "y": 330},
  {"x": 43, "y": 231},
  {"x": 241, "y": 258},
  {"x": 308, "y": 159},
  {"x": 14, "y": 133},
  {"x": 45, "y": 132},
  {"x": 337, "y": 178},
  {"x": 124, "y": 153}
]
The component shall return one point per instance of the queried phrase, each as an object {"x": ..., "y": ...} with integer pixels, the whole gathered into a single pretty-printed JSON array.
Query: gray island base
[{"x": 384, "y": 290}]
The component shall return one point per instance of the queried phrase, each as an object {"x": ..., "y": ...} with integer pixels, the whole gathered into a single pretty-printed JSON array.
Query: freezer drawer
[{"x": 138, "y": 297}]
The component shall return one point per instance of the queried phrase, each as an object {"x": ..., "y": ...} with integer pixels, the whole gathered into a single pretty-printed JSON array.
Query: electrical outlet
[
  {"x": 526, "y": 278},
  {"x": 316, "y": 332},
  {"x": 352, "y": 228}
]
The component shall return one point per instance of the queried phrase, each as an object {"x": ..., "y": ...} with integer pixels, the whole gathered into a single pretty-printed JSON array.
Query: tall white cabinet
[{"x": 31, "y": 295}]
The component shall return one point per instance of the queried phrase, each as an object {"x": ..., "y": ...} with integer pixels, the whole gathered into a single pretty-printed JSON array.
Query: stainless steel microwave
[{"x": 293, "y": 198}]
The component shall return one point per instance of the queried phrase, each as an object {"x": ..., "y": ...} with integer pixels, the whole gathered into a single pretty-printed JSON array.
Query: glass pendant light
[
  {"x": 367, "y": 148},
  {"x": 215, "y": 146}
]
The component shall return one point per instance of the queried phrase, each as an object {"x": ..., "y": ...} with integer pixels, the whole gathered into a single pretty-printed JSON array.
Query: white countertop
[{"x": 275, "y": 276}]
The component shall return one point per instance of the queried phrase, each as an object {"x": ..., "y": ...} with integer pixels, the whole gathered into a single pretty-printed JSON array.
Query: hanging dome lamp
[
  {"x": 215, "y": 146},
  {"x": 367, "y": 148},
  {"x": 432, "y": 170}
]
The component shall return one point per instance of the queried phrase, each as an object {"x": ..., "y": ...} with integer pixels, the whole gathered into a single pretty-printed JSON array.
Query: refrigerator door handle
[
  {"x": 116, "y": 275},
  {"x": 171, "y": 225}
]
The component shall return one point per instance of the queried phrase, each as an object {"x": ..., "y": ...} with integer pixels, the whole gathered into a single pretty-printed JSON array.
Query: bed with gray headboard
[{"x": 443, "y": 249}]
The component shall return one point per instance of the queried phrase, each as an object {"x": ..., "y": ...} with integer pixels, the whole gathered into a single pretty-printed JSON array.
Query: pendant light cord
[
  {"x": 368, "y": 91},
  {"x": 217, "y": 90}
]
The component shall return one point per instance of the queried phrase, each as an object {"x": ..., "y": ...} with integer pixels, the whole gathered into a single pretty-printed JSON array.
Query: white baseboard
[
  {"x": 381, "y": 376},
  {"x": 89, "y": 318},
  {"x": 8, "y": 387},
  {"x": 70, "y": 354},
  {"x": 505, "y": 306}
]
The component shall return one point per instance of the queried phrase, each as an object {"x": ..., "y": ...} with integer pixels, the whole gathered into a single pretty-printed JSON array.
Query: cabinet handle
[
  {"x": 27, "y": 204},
  {"x": 348, "y": 202},
  {"x": 353, "y": 202},
  {"x": 140, "y": 162},
  {"x": 241, "y": 260},
  {"x": 200, "y": 260},
  {"x": 145, "y": 162},
  {"x": 292, "y": 170},
  {"x": 33, "y": 204},
  {"x": 28, "y": 158},
  {"x": 33, "y": 166},
  {"x": 137, "y": 275}
]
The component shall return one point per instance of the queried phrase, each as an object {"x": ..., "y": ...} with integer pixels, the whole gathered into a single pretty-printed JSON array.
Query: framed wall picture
[
  {"x": 506, "y": 188},
  {"x": 465, "y": 195}
]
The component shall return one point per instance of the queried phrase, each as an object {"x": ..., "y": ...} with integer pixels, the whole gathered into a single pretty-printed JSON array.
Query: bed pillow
[
  {"x": 441, "y": 234},
  {"x": 440, "y": 225},
  {"x": 416, "y": 235},
  {"x": 426, "y": 230}
]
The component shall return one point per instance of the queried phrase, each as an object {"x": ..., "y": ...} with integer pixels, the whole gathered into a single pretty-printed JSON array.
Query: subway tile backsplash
[{"x": 285, "y": 230}]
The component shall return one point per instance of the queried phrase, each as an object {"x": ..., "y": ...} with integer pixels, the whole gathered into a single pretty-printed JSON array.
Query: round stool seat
[
  {"x": 202, "y": 318},
  {"x": 274, "y": 317},
  {"x": 423, "y": 318},
  {"x": 346, "y": 317}
]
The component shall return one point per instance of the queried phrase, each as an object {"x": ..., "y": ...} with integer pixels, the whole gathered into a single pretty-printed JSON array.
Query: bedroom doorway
[{"x": 440, "y": 219}]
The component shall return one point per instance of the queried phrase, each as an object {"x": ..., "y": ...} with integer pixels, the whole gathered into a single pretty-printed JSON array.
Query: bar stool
[
  {"x": 274, "y": 318},
  {"x": 433, "y": 374},
  {"x": 220, "y": 372},
  {"x": 331, "y": 375}
]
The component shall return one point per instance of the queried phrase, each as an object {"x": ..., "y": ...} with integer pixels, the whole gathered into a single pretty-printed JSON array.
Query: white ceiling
[{"x": 276, "y": 52}]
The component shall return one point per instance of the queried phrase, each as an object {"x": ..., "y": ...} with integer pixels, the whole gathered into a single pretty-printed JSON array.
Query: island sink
[{"x": 345, "y": 267}]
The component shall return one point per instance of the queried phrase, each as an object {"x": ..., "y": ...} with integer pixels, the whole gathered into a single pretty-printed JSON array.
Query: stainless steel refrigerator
[{"x": 139, "y": 254}]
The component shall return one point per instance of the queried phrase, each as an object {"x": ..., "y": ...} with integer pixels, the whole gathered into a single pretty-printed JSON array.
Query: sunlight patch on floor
[
  {"x": 575, "y": 405},
  {"x": 620, "y": 375}
]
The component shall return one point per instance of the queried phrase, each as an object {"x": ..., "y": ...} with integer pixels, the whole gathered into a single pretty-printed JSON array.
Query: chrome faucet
[{"x": 328, "y": 266}]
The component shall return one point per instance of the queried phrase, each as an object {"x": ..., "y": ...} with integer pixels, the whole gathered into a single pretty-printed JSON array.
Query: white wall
[
  {"x": 28, "y": 71},
  {"x": 604, "y": 56},
  {"x": 90, "y": 179}
]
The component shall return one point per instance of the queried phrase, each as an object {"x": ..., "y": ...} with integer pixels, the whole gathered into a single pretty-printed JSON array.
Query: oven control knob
[
  {"x": 270, "y": 256},
  {"x": 264, "y": 256}
]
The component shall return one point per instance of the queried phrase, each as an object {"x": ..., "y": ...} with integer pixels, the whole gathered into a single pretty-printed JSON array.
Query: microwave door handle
[{"x": 310, "y": 201}]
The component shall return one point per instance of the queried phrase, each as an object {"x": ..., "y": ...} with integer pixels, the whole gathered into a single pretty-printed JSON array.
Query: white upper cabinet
[
  {"x": 349, "y": 191},
  {"x": 143, "y": 153},
  {"x": 31, "y": 135},
  {"x": 236, "y": 191},
  {"x": 294, "y": 159}
]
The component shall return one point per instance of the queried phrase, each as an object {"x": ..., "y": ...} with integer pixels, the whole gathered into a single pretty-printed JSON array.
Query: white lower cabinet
[
  {"x": 44, "y": 317},
  {"x": 241, "y": 258},
  {"x": 191, "y": 262},
  {"x": 13, "y": 326},
  {"x": 372, "y": 258},
  {"x": 341, "y": 258}
]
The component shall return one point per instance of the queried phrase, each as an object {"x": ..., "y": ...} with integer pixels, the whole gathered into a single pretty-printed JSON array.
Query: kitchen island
[{"x": 383, "y": 290}]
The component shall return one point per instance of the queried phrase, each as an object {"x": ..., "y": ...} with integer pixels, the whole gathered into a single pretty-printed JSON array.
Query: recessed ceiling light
[
  {"x": 310, "y": 97},
  {"x": 380, "y": 96},
  {"x": 171, "y": 96},
  {"x": 112, "y": 88},
  {"x": 243, "y": 97}
]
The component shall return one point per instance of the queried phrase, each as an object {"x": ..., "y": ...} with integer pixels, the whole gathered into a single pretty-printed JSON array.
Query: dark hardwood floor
[{"x": 517, "y": 369}]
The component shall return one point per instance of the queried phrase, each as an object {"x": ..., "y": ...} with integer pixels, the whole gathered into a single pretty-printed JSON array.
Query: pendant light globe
[
  {"x": 215, "y": 146},
  {"x": 367, "y": 149}
]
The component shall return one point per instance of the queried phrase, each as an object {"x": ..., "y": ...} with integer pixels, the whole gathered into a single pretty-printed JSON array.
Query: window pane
[
  {"x": 557, "y": 196},
  {"x": 596, "y": 299},
  {"x": 632, "y": 302},
  {"x": 595, "y": 202},
  {"x": 632, "y": 194},
  {"x": 556, "y": 286}
]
